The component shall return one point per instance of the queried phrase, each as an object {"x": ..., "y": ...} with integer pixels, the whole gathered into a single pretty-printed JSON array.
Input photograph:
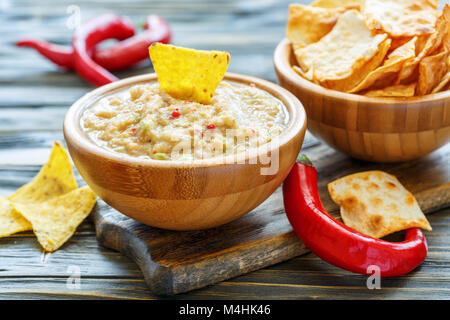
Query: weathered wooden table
[{"x": 34, "y": 96}]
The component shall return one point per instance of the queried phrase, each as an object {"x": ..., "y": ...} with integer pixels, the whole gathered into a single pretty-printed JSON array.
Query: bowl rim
[
  {"x": 73, "y": 131},
  {"x": 285, "y": 68}
]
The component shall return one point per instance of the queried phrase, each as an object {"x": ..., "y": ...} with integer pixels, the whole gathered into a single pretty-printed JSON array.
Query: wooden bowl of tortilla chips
[{"x": 372, "y": 88}]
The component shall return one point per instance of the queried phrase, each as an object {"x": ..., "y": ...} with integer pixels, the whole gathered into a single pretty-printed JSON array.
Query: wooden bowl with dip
[
  {"x": 367, "y": 128},
  {"x": 185, "y": 195}
]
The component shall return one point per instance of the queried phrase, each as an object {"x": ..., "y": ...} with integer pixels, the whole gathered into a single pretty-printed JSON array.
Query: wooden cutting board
[{"x": 175, "y": 262}]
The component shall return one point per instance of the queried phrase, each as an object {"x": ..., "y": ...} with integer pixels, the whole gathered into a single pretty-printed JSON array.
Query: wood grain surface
[
  {"x": 176, "y": 262},
  {"x": 35, "y": 95}
]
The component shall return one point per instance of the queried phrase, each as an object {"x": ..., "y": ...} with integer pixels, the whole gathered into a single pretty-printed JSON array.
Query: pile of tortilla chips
[
  {"x": 187, "y": 73},
  {"x": 51, "y": 204},
  {"x": 375, "y": 203},
  {"x": 377, "y": 48}
]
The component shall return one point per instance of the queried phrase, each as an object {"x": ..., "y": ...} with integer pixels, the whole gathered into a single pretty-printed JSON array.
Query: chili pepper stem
[{"x": 302, "y": 158}]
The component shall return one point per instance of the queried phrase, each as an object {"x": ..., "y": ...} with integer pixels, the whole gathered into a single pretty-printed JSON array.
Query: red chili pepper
[
  {"x": 60, "y": 55},
  {"x": 120, "y": 56},
  {"x": 339, "y": 244},
  {"x": 133, "y": 50},
  {"x": 88, "y": 36},
  {"x": 210, "y": 126}
]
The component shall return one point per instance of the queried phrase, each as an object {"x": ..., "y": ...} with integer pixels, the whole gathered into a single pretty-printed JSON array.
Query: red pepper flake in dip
[
  {"x": 210, "y": 126},
  {"x": 133, "y": 131},
  {"x": 176, "y": 113}
]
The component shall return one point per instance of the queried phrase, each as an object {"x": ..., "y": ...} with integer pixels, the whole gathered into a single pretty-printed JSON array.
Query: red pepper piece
[
  {"x": 339, "y": 244},
  {"x": 88, "y": 36},
  {"x": 175, "y": 113},
  {"x": 134, "y": 50},
  {"x": 211, "y": 126}
]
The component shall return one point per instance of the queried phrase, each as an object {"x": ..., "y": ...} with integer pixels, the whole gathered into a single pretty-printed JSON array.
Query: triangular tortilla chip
[
  {"x": 55, "y": 178},
  {"x": 55, "y": 221},
  {"x": 307, "y": 75},
  {"x": 346, "y": 55},
  {"x": 401, "y": 18},
  {"x": 445, "y": 80},
  {"x": 11, "y": 221},
  {"x": 351, "y": 4},
  {"x": 375, "y": 203},
  {"x": 384, "y": 76},
  {"x": 308, "y": 24},
  {"x": 430, "y": 44},
  {"x": 432, "y": 69},
  {"x": 398, "y": 90},
  {"x": 187, "y": 73},
  {"x": 360, "y": 71}
]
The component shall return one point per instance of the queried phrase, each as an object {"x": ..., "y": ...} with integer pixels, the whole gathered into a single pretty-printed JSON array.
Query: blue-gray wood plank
[{"x": 34, "y": 96}]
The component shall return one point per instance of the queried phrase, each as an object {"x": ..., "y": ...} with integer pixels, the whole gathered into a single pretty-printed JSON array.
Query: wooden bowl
[
  {"x": 373, "y": 129},
  {"x": 183, "y": 195}
]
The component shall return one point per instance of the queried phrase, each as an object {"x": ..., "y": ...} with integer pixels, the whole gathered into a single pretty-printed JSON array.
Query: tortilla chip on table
[
  {"x": 376, "y": 204},
  {"x": 51, "y": 204},
  {"x": 56, "y": 220}
]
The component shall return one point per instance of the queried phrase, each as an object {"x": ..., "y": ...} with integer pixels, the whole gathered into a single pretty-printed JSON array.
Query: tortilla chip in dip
[
  {"x": 346, "y": 55},
  {"x": 55, "y": 221},
  {"x": 401, "y": 18},
  {"x": 375, "y": 203},
  {"x": 187, "y": 73}
]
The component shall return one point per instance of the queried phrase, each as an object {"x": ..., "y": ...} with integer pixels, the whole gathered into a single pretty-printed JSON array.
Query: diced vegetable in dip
[{"x": 146, "y": 122}]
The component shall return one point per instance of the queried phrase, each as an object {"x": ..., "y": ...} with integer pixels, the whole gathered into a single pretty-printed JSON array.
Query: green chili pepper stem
[{"x": 304, "y": 159}]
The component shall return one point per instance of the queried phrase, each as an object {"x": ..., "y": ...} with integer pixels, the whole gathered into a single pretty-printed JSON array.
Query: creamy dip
[{"x": 145, "y": 122}]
